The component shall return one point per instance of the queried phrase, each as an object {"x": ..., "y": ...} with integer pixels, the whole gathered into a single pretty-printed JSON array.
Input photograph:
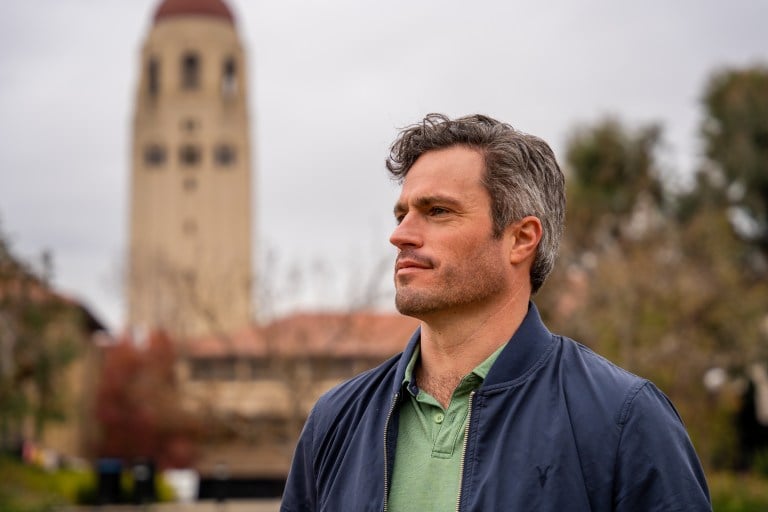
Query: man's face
[{"x": 448, "y": 260}]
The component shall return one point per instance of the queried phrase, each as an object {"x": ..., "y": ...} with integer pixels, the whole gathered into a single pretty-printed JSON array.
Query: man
[{"x": 486, "y": 410}]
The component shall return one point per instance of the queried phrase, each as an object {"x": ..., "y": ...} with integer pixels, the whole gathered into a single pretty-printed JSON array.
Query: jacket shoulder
[{"x": 595, "y": 381}]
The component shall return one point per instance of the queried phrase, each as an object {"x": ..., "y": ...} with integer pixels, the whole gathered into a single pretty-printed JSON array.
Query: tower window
[
  {"x": 189, "y": 125},
  {"x": 229, "y": 78},
  {"x": 189, "y": 227},
  {"x": 224, "y": 155},
  {"x": 189, "y": 155},
  {"x": 190, "y": 71},
  {"x": 189, "y": 277},
  {"x": 153, "y": 76},
  {"x": 190, "y": 184},
  {"x": 154, "y": 155}
]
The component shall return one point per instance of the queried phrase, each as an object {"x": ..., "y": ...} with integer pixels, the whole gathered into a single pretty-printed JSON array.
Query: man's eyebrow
[
  {"x": 439, "y": 199},
  {"x": 425, "y": 201}
]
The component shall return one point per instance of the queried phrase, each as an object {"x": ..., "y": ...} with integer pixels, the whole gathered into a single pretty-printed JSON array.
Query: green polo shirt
[{"x": 430, "y": 441}]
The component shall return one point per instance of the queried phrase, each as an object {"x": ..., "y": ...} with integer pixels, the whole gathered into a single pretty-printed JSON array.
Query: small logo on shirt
[{"x": 543, "y": 474}]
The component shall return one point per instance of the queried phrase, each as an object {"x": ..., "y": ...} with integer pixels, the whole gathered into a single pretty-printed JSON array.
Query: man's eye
[
  {"x": 437, "y": 210},
  {"x": 399, "y": 219}
]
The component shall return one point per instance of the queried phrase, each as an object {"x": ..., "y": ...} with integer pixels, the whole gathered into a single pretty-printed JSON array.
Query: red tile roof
[
  {"x": 212, "y": 8},
  {"x": 359, "y": 334}
]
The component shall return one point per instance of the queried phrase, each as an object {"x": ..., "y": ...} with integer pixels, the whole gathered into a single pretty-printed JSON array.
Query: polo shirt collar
[
  {"x": 481, "y": 370},
  {"x": 527, "y": 348}
]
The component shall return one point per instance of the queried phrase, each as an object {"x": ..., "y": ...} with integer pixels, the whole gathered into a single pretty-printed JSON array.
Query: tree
[
  {"x": 735, "y": 133},
  {"x": 656, "y": 282},
  {"x": 138, "y": 405},
  {"x": 41, "y": 334},
  {"x": 615, "y": 205},
  {"x": 613, "y": 172}
]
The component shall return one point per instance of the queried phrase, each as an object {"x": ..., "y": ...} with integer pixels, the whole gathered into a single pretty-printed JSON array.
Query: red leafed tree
[{"x": 138, "y": 407}]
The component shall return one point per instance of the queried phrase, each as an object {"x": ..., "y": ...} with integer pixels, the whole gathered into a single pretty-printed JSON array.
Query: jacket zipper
[
  {"x": 386, "y": 447},
  {"x": 463, "y": 453}
]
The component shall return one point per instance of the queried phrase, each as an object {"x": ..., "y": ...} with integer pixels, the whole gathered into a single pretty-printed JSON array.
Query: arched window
[
  {"x": 153, "y": 76},
  {"x": 229, "y": 78},
  {"x": 190, "y": 71}
]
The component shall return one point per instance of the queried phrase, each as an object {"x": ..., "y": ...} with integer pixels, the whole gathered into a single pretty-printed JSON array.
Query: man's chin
[{"x": 410, "y": 304}]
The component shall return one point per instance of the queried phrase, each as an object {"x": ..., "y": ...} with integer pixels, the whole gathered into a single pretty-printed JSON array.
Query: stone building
[{"x": 256, "y": 387}]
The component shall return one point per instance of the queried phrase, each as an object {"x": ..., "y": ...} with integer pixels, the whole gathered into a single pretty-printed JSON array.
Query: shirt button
[{"x": 439, "y": 417}]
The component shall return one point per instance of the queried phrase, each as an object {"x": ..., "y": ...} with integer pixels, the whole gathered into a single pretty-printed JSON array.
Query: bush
[
  {"x": 25, "y": 488},
  {"x": 738, "y": 493},
  {"x": 760, "y": 462}
]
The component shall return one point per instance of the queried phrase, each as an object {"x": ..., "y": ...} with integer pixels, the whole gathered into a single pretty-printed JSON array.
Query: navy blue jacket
[{"x": 554, "y": 427}]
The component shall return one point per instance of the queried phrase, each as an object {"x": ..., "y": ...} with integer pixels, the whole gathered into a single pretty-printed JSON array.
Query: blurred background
[{"x": 194, "y": 216}]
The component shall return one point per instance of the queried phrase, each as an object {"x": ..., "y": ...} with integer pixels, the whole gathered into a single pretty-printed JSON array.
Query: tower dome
[{"x": 212, "y": 8}]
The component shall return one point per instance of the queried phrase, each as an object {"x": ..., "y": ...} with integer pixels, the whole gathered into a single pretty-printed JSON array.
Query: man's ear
[{"x": 523, "y": 237}]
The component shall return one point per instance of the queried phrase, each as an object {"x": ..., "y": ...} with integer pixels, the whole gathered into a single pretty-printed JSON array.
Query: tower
[{"x": 190, "y": 208}]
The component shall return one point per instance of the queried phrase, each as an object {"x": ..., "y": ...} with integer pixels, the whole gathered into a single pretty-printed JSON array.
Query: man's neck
[{"x": 453, "y": 345}]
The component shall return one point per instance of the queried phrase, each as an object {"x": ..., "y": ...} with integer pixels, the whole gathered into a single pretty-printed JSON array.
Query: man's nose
[{"x": 407, "y": 232}]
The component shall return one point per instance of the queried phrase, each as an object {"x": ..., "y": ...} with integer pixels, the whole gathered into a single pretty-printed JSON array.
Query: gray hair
[{"x": 521, "y": 175}]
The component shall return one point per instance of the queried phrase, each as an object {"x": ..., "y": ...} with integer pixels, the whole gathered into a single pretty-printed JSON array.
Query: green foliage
[
  {"x": 735, "y": 132},
  {"x": 38, "y": 333},
  {"x": 612, "y": 164},
  {"x": 165, "y": 492},
  {"x": 611, "y": 169},
  {"x": 26, "y": 488},
  {"x": 738, "y": 493},
  {"x": 87, "y": 491},
  {"x": 760, "y": 463}
]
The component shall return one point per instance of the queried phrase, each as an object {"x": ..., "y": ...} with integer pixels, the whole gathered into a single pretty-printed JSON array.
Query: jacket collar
[
  {"x": 405, "y": 358},
  {"x": 525, "y": 349},
  {"x": 530, "y": 343}
]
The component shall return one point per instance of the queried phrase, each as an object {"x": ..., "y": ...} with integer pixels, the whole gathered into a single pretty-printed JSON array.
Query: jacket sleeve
[
  {"x": 657, "y": 468},
  {"x": 300, "y": 490}
]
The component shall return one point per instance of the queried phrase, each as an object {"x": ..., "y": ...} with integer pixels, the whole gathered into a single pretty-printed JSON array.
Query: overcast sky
[{"x": 330, "y": 83}]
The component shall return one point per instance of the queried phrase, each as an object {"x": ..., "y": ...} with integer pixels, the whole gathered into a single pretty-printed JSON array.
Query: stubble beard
[{"x": 479, "y": 278}]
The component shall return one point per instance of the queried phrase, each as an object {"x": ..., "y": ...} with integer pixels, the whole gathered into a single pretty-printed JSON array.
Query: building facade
[
  {"x": 190, "y": 268},
  {"x": 256, "y": 387}
]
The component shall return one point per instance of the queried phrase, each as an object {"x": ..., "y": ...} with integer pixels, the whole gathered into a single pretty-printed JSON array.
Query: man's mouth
[{"x": 410, "y": 262}]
